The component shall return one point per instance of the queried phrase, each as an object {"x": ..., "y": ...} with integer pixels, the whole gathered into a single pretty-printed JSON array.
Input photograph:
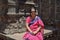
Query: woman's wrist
[{"x": 31, "y": 31}]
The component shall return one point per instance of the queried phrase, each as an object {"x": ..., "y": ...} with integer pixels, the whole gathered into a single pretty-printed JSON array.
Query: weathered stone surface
[{"x": 19, "y": 26}]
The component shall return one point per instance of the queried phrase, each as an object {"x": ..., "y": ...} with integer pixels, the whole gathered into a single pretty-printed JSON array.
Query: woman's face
[{"x": 33, "y": 14}]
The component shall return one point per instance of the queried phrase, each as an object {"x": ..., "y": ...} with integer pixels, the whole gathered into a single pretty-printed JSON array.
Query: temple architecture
[{"x": 13, "y": 14}]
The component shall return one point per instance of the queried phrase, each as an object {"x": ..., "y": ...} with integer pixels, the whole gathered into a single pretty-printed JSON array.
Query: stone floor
[
  {"x": 16, "y": 36},
  {"x": 19, "y": 36}
]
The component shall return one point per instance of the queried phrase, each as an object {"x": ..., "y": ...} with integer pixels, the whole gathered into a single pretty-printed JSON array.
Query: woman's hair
[
  {"x": 31, "y": 11},
  {"x": 33, "y": 8}
]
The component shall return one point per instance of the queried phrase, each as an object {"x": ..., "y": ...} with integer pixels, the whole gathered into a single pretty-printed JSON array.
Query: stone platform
[{"x": 19, "y": 36}]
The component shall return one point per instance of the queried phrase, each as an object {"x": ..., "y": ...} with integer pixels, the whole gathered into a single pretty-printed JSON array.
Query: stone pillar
[
  {"x": 3, "y": 7},
  {"x": 39, "y": 7}
]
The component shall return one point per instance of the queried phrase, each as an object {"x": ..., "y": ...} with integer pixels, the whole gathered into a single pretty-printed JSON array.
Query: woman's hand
[
  {"x": 35, "y": 32},
  {"x": 31, "y": 32}
]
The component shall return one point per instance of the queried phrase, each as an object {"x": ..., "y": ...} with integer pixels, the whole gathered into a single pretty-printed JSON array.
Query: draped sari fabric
[{"x": 34, "y": 24}]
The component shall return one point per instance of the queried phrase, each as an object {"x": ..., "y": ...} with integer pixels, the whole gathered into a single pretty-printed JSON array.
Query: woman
[{"x": 34, "y": 27}]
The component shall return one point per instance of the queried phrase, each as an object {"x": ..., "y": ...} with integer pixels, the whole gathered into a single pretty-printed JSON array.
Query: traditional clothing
[{"x": 34, "y": 24}]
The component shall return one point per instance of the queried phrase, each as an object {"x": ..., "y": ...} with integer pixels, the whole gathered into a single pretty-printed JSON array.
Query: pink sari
[{"x": 33, "y": 24}]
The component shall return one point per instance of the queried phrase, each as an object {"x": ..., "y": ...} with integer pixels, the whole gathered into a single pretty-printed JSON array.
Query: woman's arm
[
  {"x": 28, "y": 28},
  {"x": 41, "y": 26}
]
